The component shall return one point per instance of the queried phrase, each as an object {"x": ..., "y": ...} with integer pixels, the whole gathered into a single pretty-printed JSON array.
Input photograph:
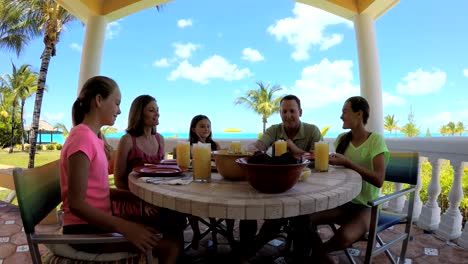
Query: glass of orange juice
[
  {"x": 321, "y": 156},
  {"x": 235, "y": 147},
  {"x": 201, "y": 162},
  {"x": 281, "y": 147},
  {"x": 183, "y": 154}
]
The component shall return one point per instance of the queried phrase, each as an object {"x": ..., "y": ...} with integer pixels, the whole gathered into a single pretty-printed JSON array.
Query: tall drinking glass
[
  {"x": 235, "y": 147},
  {"x": 281, "y": 147},
  {"x": 321, "y": 156},
  {"x": 183, "y": 154},
  {"x": 201, "y": 162}
]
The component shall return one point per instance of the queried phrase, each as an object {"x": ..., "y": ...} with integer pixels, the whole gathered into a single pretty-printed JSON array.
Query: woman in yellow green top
[{"x": 366, "y": 153}]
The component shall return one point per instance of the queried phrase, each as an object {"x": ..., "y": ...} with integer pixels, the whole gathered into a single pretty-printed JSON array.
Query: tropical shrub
[
  {"x": 58, "y": 146},
  {"x": 50, "y": 146},
  {"x": 5, "y": 134},
  {"x": 446, "y": 180}
]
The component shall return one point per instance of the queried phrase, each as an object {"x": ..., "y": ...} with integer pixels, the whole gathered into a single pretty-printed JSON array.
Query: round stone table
[{"x": 238, "y": 200}]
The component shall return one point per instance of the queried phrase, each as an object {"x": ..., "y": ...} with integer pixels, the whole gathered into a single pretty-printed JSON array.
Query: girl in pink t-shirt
[{"x": 84, "y": 177}]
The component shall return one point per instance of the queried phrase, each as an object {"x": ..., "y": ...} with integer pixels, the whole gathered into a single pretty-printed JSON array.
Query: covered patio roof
[
  {"x": 97, "y": 13},
  {"x": 110, "y": 9},
  {"x": 115, "y": 9}
]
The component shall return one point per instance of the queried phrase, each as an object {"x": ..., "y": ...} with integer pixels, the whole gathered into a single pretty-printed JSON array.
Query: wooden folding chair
[{"x": 38, "y": 192}]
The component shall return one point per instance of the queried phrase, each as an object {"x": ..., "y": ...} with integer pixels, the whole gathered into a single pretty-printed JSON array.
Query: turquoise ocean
[{"x": 225, "y": 135}]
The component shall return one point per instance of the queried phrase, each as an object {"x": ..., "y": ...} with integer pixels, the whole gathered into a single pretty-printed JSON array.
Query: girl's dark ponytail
[
  {"x": 344, "y": 142},
  {"x": 97, "y": 85}
]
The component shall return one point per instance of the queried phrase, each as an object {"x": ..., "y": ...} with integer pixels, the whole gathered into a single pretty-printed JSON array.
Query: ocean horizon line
[{"x": 58, "y": 138}]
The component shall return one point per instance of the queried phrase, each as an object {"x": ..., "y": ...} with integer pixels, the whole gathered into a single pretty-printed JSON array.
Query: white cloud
[
  {"x": 306, "y": 28},
  {"x": 325, "y": 83},
  {"x": 335, "y": 39},
  {"x": 442, "y": 118},
  {"x": 112, "y": 29},
  {"x": 392, "y": 100},
  {"x": 76, "y": 46},
  {"x": 252, "y": 55},
  {"x": 184, "y": 51},
  {"x": 421, "y": 82},
  {"x": 161, "y": 63},
  {"x": 54, "y": 116},
  {"x": 211, "y": 68},
  {"x": 465, "y": 72},
  {"x": 184, "y": 23},
  {"x": 461, "y": 115}
]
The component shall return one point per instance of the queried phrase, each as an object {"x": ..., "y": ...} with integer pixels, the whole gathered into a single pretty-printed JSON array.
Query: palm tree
[
  {"x": 15, "y": 30},
  {"x": 460, "y": 128},
  {"x": 108, "y": 130},
  {"x": 30, "y": 88},
  {"x": 262, "y": 101},
  {"x": 443, "y": 130},
  {"x": 62, "y": 127},
  {"x": 390, "y": 123},
  {"x": 49, "y": 18},
  {"x": 451, "y": 127},
  {"x": 410, "y": 129},
  {"x": 21, "y": 84}
]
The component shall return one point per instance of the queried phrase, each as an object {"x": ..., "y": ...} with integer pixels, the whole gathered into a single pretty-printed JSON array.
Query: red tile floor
[{"x": 14, "y": 249}]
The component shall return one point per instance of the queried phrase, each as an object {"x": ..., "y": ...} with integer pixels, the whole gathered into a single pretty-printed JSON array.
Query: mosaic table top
[{"x": 238, "y": 200}]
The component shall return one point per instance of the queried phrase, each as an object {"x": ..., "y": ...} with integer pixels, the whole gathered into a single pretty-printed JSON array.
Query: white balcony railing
[
  {"x": 435, "y": 150},
  {"x": 446, "y": 225}
]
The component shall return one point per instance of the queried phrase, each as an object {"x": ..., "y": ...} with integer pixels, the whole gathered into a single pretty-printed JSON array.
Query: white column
[
  {"x": 430, "y": 213},
  {"x": 463, "y": 240},
  {"x": 369, "y": 71},
  {"x": 396, "y": 205},
  {"x": 92, "y": 49},
  {"x": 451, "y": 222}
]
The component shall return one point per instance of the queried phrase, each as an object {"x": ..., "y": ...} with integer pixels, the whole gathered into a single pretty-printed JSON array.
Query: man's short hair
[{"x": 291, "y": 97}]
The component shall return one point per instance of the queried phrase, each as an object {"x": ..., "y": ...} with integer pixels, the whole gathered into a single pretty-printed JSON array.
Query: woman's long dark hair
[
  {"x": 357, "y": 103},
  {"x": 135, "y": 116},
  {"x": 193, "y": 137}
]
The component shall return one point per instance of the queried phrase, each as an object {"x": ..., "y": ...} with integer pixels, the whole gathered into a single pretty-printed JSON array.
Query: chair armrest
[
  {"x": 6, "y": 179},
  {"x": 391, "y": 196},
  {"x": 79, "y": 239}
]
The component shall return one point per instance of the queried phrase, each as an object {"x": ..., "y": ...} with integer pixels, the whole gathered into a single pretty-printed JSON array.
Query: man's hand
[
  {"x": 293, "y": 148},
  {"x": 256, "y": 146}
]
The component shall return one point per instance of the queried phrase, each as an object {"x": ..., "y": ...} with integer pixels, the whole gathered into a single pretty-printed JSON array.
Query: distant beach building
[{"x": 45, "y": 129}]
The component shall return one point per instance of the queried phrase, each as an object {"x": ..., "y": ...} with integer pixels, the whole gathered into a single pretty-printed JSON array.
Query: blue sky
[{"x": 196, "y": 57}]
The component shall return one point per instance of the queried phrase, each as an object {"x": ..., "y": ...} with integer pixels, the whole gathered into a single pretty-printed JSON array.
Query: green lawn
[{"x": 21, "y": 159}]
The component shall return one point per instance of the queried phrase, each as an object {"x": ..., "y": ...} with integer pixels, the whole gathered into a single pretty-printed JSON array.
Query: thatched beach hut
[{"x": 44, "y": 128}]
